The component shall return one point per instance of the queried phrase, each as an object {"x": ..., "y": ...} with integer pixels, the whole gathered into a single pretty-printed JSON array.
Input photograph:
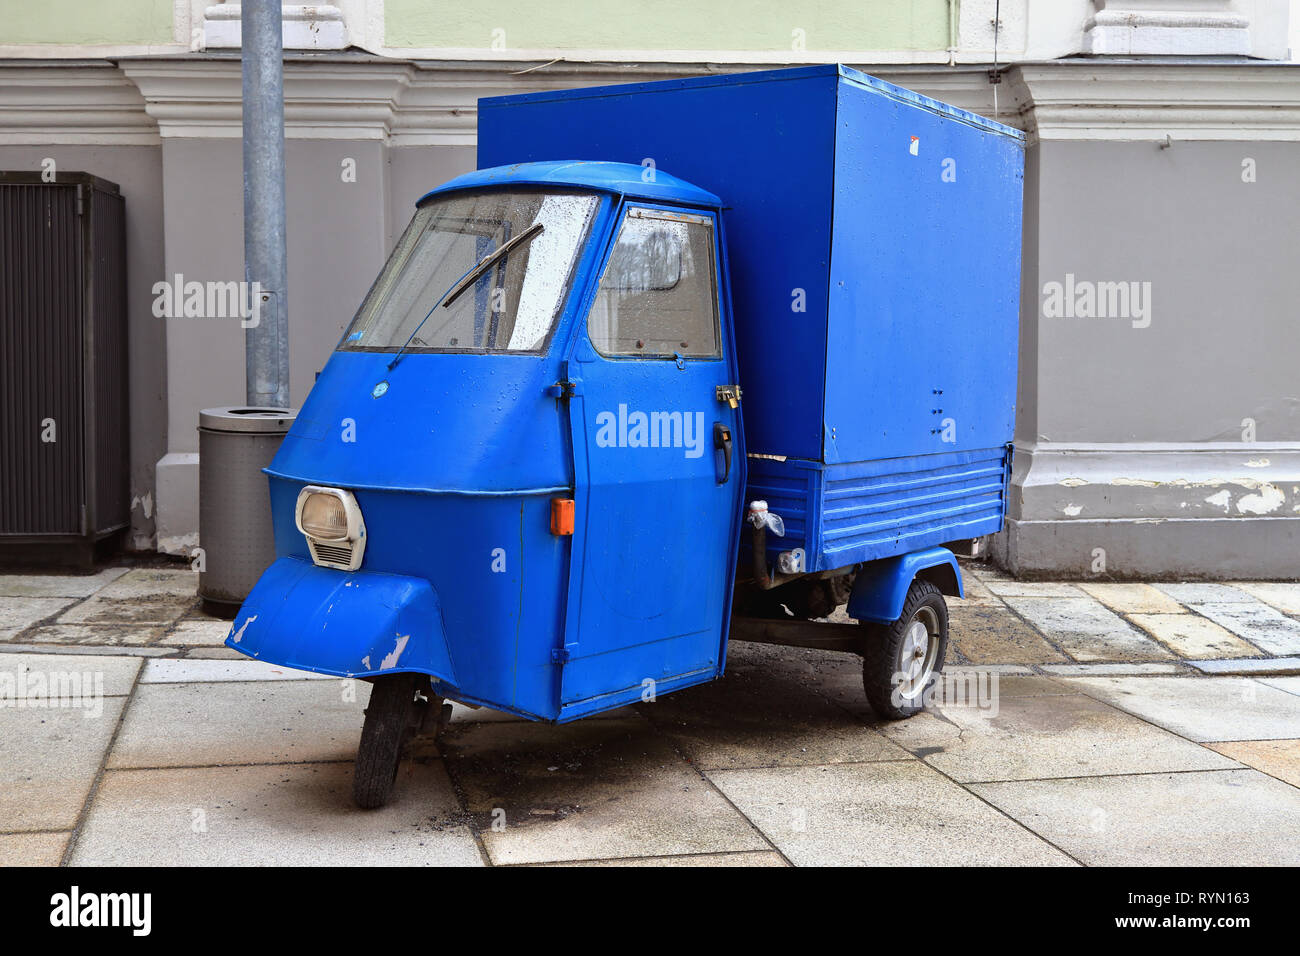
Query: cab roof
[{"x": 622, "y": 179}]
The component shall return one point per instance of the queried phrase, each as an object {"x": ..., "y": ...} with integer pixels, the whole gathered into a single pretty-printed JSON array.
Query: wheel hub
[{"x": 917, "y": 653}]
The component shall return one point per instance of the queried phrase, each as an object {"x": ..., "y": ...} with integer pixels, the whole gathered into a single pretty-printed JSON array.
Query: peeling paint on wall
[{"x": 1268, "y": 500}]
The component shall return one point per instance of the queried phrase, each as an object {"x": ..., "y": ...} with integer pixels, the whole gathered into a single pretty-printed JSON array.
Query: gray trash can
[{"x": 235, "y": 443}]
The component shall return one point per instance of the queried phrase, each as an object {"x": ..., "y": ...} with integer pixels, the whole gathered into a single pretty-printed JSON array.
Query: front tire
[
  {"x": 903, "y": 660},
  {"x": 389, "y": 724}
]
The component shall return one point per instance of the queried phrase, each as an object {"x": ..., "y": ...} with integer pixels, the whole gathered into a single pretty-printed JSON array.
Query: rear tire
[
  {"x": 388, "y": 727},
  {"x": 902, "y": 661}
]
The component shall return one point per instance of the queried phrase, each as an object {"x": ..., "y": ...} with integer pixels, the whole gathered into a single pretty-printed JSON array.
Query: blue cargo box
[{"x": 873, "y": 237}]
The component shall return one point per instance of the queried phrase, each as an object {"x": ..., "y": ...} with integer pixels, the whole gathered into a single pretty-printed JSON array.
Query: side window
[{"x": 659, "y": 293}]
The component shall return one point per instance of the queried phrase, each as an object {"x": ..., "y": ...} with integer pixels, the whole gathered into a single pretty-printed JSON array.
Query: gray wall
[
  {"x": 1221, "y": 257},
  {"x": 1132, "y": 457}
]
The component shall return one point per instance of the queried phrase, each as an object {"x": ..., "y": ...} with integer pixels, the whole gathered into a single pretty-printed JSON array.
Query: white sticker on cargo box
[{"x": 916, "y": 145}]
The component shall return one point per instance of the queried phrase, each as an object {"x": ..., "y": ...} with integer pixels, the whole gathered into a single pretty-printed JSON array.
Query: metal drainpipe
[
  {"x": 952, "y": 32},
  {"x": 266, "y": 338}
]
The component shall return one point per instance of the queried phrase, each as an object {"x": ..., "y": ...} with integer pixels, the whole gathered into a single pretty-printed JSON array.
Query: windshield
[{"x": 511, "y": 307}]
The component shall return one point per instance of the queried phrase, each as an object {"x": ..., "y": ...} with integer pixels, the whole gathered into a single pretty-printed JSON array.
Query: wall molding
[
  {"x": 1145, "y": 99},
  {"x": 200, "y": 97},
  {"x": 417, "y": 103},
  {"x": 71, "y": 103}
]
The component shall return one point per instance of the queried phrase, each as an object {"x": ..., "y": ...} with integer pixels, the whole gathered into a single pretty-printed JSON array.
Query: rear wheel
[
  {"x": 901, "y": 661},
  {"x": 398, "y": 707}
]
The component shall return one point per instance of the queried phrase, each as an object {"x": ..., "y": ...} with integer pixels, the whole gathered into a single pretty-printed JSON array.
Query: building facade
[{"x": 1159, "y": 397}]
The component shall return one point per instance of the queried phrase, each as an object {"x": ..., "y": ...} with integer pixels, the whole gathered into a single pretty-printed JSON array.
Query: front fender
[
  {"x": 880, "y": 589},
  {"x": 346, "y": 623}
]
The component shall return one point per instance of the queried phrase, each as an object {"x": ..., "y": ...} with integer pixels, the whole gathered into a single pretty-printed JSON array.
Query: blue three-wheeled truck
[{"x": 523, "y": 481}]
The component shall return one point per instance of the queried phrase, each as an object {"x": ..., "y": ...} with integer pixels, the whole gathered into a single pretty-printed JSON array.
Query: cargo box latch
[{"x": 729, "y": 394}]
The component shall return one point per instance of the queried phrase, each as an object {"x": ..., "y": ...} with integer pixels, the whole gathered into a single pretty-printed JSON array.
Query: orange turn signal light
[{"x": 561, "y": 516}]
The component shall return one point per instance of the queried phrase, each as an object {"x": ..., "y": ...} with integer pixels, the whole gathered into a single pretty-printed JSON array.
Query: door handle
[{"x": 722, "y": 443}]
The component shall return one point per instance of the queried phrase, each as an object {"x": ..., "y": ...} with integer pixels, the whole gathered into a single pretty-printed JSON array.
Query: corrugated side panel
[
  {"x": 41, "y": 297},
  {"x": 878, "y": 509},
  {"x": 111, "y": 468},
  {"x": 790, "y": 489}
]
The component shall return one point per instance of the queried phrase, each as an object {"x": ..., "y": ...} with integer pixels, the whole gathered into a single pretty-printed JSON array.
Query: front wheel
[
  {"x": 394, "y": 712},
  {"x": 901, "y": 661}
]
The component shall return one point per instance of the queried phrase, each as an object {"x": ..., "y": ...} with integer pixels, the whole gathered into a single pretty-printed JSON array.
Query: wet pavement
[{"x": 1083, "y": 723}]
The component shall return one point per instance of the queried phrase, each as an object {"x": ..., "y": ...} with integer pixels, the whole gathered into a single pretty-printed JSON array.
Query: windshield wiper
[{"x": 468, "y": 279}]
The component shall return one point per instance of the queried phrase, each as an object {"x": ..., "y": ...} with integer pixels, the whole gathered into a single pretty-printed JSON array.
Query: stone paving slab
[
  {"x": 977, "y": 594},
  {"x": 1220, "y": 818},
  {"x": 242, "y": 669},
  {"x": 1192, "y": 636},
  {"x": 203, "y": 653},
  {"x": 32, "y": 849},
  {"x": 1277, "y": 758},
  {"x": 897, "y": 813},
  {"x": 1256, "y": 665},
  {"x": 1037, "y": 737},
  {"x": 1199, "y": 708},
  {"x": 211, "y": 632},
  {"x": 122, "y": 650},
  {"x": 1110, "y": 670},
  {"x": 141, "y": 596},
  {"x": 1005, "y": 588},
  {"x": 48, "y": 761},
  {"x": 746, "y": 859},
  {"x": 295, "y": 815},
  {"x": 603, "y": 789},
  {"x": 1132, "y": 598},
  {"x": 1289, "y": 684},
  {"x": 19, "y": 613},
  {"x": 1205, "y": 592},
  {"x": 111, "y": 676},
  {"x": 57, "y": 585},
  {"x": 1087, "y": 630},
  {"x": 240, "y": 723},
  {"x": 100, "y": 635},
  {"x": 1283, "y": 596},
  {"x": 1265, "y": 627},
  {"x": 994, "y": 635},
  {"x": 761, "y": 717},
  {"x": 1008, "y": 685},
  {"x": 101, "y": 610}
]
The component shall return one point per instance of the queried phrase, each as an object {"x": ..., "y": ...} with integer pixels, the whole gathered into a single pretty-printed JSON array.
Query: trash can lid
[{"x": 247, "y": 418}]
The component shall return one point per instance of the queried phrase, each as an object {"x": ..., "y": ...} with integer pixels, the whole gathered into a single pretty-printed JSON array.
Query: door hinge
[
  {"x": 565, "y": 389},
  {"x": 560, "y": 655}
]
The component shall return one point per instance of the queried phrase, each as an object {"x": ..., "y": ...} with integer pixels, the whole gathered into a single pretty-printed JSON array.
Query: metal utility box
[
  {"x": 63, "y": 368},
  {"x": 873, "y": 242}
]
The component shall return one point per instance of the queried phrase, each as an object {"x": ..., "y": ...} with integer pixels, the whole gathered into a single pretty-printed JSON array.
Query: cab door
[{"x": 659, "y": 465}]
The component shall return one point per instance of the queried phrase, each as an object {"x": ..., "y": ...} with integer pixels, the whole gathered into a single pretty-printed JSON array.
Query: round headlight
[{"x": 324, "y": 516}]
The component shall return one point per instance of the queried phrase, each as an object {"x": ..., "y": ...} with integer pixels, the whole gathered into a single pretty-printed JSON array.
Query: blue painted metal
[
  {"x": 656, "y": 542},
  {"x": 621, "y": 179},
  {"x": 880, "y": 589},
  {"x": 876, "y": 288},
  {"x": 350, "y": 625}
]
